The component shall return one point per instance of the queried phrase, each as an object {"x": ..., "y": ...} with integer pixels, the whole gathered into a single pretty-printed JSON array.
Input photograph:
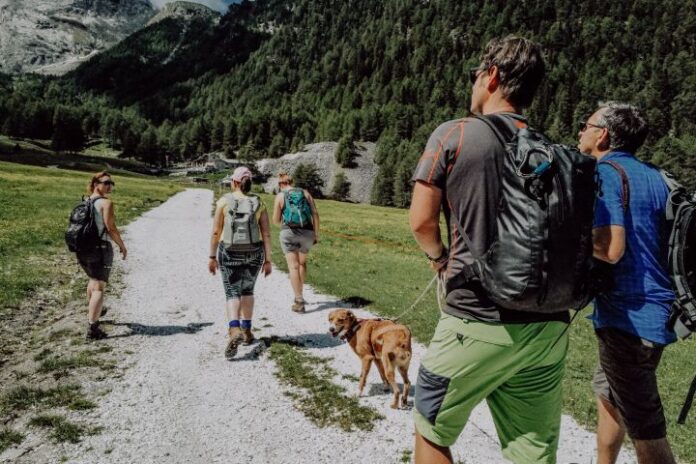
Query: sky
[{"x": 219, "y": 5}]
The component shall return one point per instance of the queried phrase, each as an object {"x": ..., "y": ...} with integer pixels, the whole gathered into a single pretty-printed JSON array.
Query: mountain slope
[{"x": 54, "y": 36}]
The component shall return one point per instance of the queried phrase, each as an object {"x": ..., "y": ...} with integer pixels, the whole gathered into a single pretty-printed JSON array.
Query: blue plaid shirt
[{"x": 642, "y": 296}]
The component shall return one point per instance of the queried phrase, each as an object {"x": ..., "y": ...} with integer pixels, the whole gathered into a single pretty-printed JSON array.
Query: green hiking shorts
[{"x": 516, "y": 368}]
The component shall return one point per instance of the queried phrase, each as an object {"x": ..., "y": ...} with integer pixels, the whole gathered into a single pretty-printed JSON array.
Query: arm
[
  {"x": 278, "y": 208},
  {"x": 609, "y": 243},
  {"x": 424, "y": 218},
  {"x": 110, "y": 223},
  {"x": 315, "y": 215},
  {"x": 265, "y": 227},
  {"x": 218, "y": 223}
]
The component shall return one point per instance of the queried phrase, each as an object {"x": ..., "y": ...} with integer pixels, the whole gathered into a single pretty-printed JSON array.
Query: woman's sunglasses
[{"x": 108, "y": 182}]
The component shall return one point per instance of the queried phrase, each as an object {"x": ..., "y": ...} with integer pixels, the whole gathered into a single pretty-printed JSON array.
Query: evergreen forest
[{"x": 274, "y": 75}]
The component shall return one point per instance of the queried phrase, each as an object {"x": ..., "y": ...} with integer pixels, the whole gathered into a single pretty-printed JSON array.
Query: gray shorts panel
[{"x": 300, "y": 240}]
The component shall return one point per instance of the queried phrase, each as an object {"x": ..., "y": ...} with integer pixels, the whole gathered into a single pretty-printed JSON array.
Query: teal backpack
[{"x": 297, "y": 214}]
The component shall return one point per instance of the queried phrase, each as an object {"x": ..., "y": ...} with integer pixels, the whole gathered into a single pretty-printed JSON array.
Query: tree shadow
[
  {"x": 349, "y": 302},
  {"x": 159, "y": 330}
]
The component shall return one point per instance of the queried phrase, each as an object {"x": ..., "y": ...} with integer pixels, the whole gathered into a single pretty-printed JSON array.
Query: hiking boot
[
  {"x": 298, "y": 306},
  {"x": 103, "y": 311},
  {"x": 95, "y": 333},
  {"x": 236, "y": 336},
  {"x": 248, "y": 337}
]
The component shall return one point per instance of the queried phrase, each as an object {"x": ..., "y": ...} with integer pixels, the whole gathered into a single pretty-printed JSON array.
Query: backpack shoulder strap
[
  {"x": 499, "y": 126},
  {"x": 625, "y": 192}
]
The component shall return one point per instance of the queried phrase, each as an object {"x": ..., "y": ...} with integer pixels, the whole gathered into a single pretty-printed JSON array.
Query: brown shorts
[{"x": 626, "y": 378}]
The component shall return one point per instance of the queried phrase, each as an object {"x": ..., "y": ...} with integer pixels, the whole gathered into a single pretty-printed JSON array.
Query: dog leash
[{"x": 422, "y": 295}]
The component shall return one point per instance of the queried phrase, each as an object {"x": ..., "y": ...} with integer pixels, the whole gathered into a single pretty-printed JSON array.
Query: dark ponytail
[{"x": 245, "y": 185}]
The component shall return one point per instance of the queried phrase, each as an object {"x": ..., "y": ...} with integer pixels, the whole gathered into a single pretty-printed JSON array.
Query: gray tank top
[{"x": 99, "y": 220}]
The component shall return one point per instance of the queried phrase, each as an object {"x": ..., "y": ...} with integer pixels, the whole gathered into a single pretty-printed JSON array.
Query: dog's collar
[{"x": 351, "y": 332}]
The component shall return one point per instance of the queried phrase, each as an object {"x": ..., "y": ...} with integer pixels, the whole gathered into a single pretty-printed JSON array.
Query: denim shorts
[
  {"x": 97, "y": 262},
  {"x": 239, "y": 270}
]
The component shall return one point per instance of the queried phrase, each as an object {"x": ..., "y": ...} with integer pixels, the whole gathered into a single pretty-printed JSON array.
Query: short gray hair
[{"x": 625, "y": 123}]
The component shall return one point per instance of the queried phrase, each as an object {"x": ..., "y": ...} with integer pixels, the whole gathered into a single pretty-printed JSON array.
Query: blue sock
[
  {"x": 233, "y": 324},
  {"x": 246, "y": 324}
]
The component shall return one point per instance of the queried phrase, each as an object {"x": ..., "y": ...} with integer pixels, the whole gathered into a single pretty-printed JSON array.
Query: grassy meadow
[
  {"x": 34, "y": 207},
  {"x": 366, "y": 254}
]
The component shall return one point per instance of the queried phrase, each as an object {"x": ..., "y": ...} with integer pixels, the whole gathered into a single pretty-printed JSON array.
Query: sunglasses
[
  {"x": 583, "y": 125},
  {"x": 108, "y": 182},
  {"x": 474, "y": 74}
]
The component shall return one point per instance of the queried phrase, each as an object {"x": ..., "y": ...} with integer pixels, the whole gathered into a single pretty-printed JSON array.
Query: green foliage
[
  {"x": 328, "y": 70},
  {"x": 307, "y": 176},
  {"x": 321, "y": 400},
  {"x": 62, "y": 430},
  {"x": 9, "y": 437},
  {"x": 345, "y": 152},
  {"x": 341, "y": 187}
]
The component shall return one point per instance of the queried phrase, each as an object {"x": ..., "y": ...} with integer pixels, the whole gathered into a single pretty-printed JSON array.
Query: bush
[
  {"x": 341, "y": 187},
  {"x": 307, "y": 177},
  {"x": 345, "y": 153}
]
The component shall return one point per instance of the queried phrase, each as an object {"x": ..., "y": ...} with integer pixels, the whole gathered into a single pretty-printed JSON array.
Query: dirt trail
[{"x": 180, "y": 401}]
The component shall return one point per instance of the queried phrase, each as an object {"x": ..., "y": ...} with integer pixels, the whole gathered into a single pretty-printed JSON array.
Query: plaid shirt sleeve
[{"x": 609, "y": 209}]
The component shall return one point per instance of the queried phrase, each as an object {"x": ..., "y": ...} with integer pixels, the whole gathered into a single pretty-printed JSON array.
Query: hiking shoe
[
  {"x": 298, "y": 306},
  {"x": 95, "y": 333},
  {"x": 248, "y": 337},
  {"x": 236, "y": 336},
  {"x": 103, "y": 311}
]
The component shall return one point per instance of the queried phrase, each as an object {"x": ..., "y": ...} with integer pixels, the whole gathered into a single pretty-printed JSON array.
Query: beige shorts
[{"x": 300, "y": 240}]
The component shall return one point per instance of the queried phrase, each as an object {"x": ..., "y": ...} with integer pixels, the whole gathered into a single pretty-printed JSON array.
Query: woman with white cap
[{"x": 240, "y": 246}]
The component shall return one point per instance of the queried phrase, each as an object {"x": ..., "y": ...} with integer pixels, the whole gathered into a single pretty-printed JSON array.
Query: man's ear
[
  {"x": 493, "y": 79},
  {"x": 603, "y": 140}
]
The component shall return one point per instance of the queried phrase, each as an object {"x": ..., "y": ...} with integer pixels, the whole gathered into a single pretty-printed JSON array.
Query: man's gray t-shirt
[{"x": 461, "y": 159}]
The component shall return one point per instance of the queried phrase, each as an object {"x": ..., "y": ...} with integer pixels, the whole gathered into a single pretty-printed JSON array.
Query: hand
[
  {"x": 438, "y": 267},
  {"x": 212, "y": 265},
  {"x": 123, "y": 251},
  {"x": 267, "y": 268}
]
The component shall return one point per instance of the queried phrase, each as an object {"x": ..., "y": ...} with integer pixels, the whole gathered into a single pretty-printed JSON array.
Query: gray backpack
[{"x": 241, "y": 227}]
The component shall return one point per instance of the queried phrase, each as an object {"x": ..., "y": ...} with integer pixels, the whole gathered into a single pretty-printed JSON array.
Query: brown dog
[{"x": 385, "y": 342}]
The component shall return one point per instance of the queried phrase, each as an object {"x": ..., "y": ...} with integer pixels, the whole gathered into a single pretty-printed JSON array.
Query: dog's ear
[{"x": 350, "y": 315}]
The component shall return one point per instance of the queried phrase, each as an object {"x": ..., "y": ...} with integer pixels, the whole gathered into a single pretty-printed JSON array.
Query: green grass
[
  {"x": 321, "y": 400},
  {"x": 62, "y": 430},
  {"x": 368, "y": 252},
  {"x": 34, "y": 207},
  {"x": 64, "y": 363},
  {"x": 9, "y": 437},
  {"x": 23, "y": 397}
]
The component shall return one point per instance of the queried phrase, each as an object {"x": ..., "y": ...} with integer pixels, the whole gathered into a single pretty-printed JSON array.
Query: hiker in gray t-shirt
[
  {"x": 295, "y": 211},
  {"x": 96, "y": 262}
]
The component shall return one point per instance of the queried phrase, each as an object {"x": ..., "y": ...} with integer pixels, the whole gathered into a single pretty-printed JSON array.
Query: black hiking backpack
[
  {"x": 541, "y": 257},
  {"x": 82, "y": 233}
]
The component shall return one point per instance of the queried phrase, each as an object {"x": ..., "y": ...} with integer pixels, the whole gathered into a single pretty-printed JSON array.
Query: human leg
[
  {"x": 427, "y": 452},
  {"x": 526, "y": 408},
  {"x": 610, "y": 432},
  {"x": 629, "y": 364},
  {"x": 95, "y": 290}
]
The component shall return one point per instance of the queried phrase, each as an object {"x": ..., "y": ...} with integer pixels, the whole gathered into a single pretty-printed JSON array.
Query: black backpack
[
  {"x": 82, "y": 232},
  {"x": 540, "y": 260}
]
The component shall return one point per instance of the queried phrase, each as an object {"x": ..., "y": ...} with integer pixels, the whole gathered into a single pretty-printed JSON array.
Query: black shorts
[
  {"x": 239, "y": 270},
  {"x": 97, "y": 262},
  {"x": 626, "y": 378}
]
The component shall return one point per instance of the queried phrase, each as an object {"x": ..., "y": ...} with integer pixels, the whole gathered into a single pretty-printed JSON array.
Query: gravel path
[{"x": 181, "y": 402}]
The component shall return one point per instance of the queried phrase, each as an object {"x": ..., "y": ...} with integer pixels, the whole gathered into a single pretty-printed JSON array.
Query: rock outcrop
[
  {"x": 321, "y": 155},
  {"x": 55, "y": 36}
]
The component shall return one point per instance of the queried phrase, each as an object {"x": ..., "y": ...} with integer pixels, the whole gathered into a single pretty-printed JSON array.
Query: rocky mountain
[
  {"x": 321, "y": 155},
  {"x": 55, "y": 36},
  {"x": 186, "y": 10}
]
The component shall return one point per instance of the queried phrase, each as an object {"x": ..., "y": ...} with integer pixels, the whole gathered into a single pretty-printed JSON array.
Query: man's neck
[
  {"x": 600, "y": 154},
  {"x": 499, "y": 105}
]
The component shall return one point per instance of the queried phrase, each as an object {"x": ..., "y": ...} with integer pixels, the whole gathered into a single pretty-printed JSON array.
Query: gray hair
[{"x": 625, "y": 123}]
